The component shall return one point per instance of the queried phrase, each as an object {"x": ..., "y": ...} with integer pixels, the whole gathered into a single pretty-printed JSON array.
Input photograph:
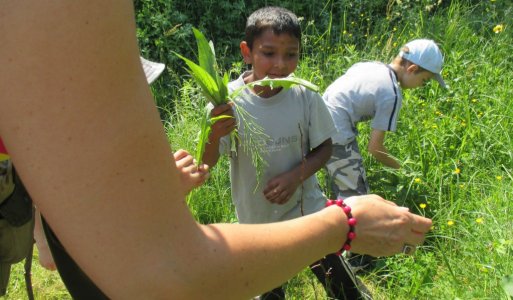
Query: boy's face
[
  {"x": 414, "y": 79},
  {"x": 272, "y": 55}
]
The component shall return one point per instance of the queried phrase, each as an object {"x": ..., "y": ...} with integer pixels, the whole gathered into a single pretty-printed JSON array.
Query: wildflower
[
  {"x": 434, "y": 126},
  {"x": 462, "y": 186},
  {"x": 479, "y": 220},
  {"x": 463, "y": 124},
  {"x": 457, "y": 171},
  {"x": 450, "y": 222},
  {"x": 474, "y": 100},
  {"x": 498, "y": 177},
  {"x": 498, "y": 28},
  {"x": 418, "y": 180},
  {"x": 423, "y": 205}
]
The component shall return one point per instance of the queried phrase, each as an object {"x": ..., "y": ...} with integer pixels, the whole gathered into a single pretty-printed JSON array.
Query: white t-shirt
[
  {"x": 368, "y": 90},
  {"x": 281, "y": 118}
]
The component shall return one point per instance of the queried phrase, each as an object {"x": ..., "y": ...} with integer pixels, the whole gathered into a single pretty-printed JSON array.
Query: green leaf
[
  {"x": 206, "y": 56},
  {"x": 205, "y": 81},
  {"x": 286, "y": 82}
]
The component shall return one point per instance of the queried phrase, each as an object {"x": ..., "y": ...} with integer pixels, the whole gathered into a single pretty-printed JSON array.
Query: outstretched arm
[
  {"x": 377, "y": 148},
  {"x": 77, "y": 112}
]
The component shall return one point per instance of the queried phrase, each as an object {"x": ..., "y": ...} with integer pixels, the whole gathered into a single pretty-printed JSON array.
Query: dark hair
[{"x": 277, "y": 19}]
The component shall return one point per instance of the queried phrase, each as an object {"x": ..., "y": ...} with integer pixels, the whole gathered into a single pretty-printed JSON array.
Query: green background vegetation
[{"x": 456, "y": 145}]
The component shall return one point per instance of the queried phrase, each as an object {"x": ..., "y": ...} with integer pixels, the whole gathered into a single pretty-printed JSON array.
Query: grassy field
[{"x": 456, "y": 146}]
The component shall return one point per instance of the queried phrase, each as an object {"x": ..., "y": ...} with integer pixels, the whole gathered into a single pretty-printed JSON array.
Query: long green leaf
[
  {"x": 206, "y": 56},
  {"x": 286, "y": 82},
  {"x": 205, "y": 81}
]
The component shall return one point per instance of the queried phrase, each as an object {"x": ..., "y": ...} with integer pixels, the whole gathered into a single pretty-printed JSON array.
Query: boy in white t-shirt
[{"x": 299, "y": 130}]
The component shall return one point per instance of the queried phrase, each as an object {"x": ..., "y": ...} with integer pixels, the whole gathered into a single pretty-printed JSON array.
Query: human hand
[
  {"x": 45, "y": 256},
  {"x": 280, "y": 189},
  {"x": 383, "y": 228},
  {"x": 223, "y": 126},
  {"x": 191, "y": 175}
]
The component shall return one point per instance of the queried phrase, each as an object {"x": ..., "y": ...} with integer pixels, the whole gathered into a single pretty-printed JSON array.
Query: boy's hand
[
  {"x": 191, "y": 175},
  {"x": 223, "y": 126},
  {"x": 280, "y": 189}
]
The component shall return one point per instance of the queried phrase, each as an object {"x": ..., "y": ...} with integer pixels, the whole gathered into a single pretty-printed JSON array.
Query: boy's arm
[
  {"x": 280, "y": 188},
  {"x": 219, "y": 129},
  {"x": 377, "y": 148}
]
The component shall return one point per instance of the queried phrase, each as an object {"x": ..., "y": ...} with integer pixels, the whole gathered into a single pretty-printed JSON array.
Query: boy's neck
[{"x": 398, "y": 70}]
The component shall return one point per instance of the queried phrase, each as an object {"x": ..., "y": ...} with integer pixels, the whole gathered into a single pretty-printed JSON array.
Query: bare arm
[
  {"x": 377, "y": 148},
  {"x": 81, "y": 125},
  {"x": 280, "y": 188}
]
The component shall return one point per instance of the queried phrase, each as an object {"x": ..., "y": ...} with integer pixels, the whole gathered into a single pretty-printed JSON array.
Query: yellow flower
[
  {"x": 423, "y": 205},
  {"x": 474, "y": 100},
  {"x": 450, "y": 222},
  {"x": 418, "y": 180},
  {"x": 479, "y": 220},
  {"x": 457, "y": 171},
  {"x": 498, "y": 28},
  {"x": 498, "y": 177},
  {"x": 462, "y": 185}
]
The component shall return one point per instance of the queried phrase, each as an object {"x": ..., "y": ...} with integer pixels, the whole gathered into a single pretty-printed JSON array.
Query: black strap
[{"x": 79, "y": 285}]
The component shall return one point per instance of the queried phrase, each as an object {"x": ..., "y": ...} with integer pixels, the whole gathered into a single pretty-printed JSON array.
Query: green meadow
[{"x": 455, "y": 145}]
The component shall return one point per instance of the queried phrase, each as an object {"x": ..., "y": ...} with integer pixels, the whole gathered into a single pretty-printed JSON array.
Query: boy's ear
[
  {"x": 412, "y": 68},
  {"x": 246, "y": 52}
]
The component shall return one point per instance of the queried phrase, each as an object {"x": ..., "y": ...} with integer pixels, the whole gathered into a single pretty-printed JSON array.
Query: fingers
[
  {"x": 223, "y": 109},
  {"x": 276, "y": 194},
  {"x": 384, "y": 228},
  {"x": 421, "y": 225},
  {"x": 183, "y": 159}
]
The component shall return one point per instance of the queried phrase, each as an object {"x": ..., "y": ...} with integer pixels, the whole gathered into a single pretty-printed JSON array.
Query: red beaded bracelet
[{"x": 351, "y": 221}]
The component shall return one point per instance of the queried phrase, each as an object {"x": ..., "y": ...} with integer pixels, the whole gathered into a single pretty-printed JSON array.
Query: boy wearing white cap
[{"x": 372, "y": 91}]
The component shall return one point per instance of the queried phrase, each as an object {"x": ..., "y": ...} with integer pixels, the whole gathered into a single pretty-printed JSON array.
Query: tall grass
[{"x": 456, "y": 147}]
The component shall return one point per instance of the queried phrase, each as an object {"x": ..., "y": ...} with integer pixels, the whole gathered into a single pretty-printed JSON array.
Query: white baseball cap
[
  {"x": 426, "y": 54},
  {"x": 152, "y": 70}
]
